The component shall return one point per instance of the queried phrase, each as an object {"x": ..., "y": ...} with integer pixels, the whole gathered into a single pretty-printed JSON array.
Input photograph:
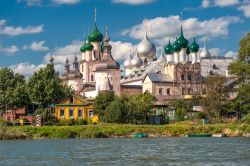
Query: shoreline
[{"x": 121, "y": 131}]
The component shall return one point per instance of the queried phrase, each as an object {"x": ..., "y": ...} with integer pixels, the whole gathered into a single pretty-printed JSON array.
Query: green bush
[
  {"x": 47, "y": 116},
  {"x": 82, "y": 122},
  {"x": 200, "y": 115},
  {"x": 180, "y": 114},
  {"x": 5, "y": 123},
  {"x": 73, "y": 122},
  {"x": 246, "y": 119}
]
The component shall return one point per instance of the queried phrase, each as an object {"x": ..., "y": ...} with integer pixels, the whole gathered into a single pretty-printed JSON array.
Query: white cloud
[
  {"x": 9, "y": 50},
  {"x": 245, "y": 9},
  {"x": 31, "y": 2},
  {"x": 215, "y": 51},
  {"x": 61, "y": 53},
  {"x": 26, "y": 69},
  {"x": 205, "y": 3},
  {"x": 133, "y": 2},
  {"x": 36, "y": 46},
  {"x": 14, "y": 31},
  {"x": 160, "y": 29},
  {"x": 120, "y": 50},
  {"x": 66, "y": 1},
  {"x": 2, "y": 22},
  {"x": 219, "y": 3}
]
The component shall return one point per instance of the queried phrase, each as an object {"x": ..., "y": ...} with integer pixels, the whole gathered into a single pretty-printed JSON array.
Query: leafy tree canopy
[
  {"x": 45, "y": 86},
  {"x": 241, "y": 68},
  {"x": 13, "y": 90}
]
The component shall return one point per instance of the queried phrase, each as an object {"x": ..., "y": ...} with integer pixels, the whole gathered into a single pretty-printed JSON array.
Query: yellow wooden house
[{"x": 75, "y": 107}]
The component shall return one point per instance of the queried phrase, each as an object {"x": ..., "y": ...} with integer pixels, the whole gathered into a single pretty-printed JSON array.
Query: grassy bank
[{"x": 115, "y": 130}]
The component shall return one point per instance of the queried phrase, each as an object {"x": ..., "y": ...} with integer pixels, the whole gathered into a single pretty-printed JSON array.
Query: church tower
[{"x": 107, "y": 70}]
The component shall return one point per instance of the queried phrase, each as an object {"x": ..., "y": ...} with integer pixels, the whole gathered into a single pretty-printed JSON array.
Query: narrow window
[
  {"x": 168, "y": 91},
  {"x": 160, "y": 91},
  {"x": 91, "y": 113},
  {"x": 79, "y": 113},
  {"x": 189, "y": 77},
  {"x": 71, "y": 113},
  {"x": 71, "y": 100},
  {"x": 182, "y": 77},
  {"x": 62, "y": 113},
  {"x": 92, "y": 77}
]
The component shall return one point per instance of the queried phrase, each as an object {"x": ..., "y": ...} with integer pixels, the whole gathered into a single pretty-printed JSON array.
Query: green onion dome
[
  {"x": 176, "y": 47},
  {"x": 169, "y": 48},
  {"x": 82, "y": 49},
  {"x": 95, "y": 36},
  {"x": 182, "y": 41},
  {"x": 88, "y": 46},
  {"x": 194, "y": 47}
]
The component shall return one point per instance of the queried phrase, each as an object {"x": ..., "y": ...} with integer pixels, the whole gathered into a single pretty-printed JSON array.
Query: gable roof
[
  {"x": 159, "y": 77},
  {"x": 83, "y": 100}
]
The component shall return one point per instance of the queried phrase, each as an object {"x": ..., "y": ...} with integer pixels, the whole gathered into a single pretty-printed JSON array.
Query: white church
[{"x": 180, "y": 70}]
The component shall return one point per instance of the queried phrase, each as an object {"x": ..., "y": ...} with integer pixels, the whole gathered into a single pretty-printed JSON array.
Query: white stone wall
[
  {"x": 76, "y": 84},
  {"x": 147, "y": 85},
  {"x": 170, "y": 58},
  {"x": 88, "y": 56},
  {"x": 176, "y": 57},
  {"x": 114, "y": 78},
  {"x": 182, "y": 55},
  {"x": 128, "y": 71},
  {"x": 97, "y": 50},
  {"x": 194, "y": 57},
  {"x": 89, "y": 94},
  {"x": 83, "y": 56}
]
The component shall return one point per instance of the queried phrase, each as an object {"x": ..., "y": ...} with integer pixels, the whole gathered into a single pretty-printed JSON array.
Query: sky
[{"x": 30, "y": 30}]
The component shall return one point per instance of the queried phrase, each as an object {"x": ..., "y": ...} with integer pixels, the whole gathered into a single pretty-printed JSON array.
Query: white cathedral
[{"x": 180, "y": 71}]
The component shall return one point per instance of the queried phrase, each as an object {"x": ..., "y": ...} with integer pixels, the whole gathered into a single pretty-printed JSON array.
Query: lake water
[{"x": 157, "y": 151}]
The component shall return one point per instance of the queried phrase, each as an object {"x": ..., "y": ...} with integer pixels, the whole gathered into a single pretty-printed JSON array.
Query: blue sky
[{"x": 30, "y": 29}]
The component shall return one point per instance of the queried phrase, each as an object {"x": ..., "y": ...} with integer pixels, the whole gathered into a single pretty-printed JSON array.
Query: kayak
[
  {"x": 141, "y": 135},
  {"x": 199, "y": 135}
]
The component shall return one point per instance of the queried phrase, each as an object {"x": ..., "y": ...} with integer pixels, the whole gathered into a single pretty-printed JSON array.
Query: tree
[
  {"x": 45, "y": 87},
  {"x": 241, "y": 68},
  {"x": 139, "y": 108},
  {"x": 180, "y": 114},
  {"x": 117, "y": 110},
  {"x": 13, "y": 90},
  {"x": 216, "y": 95},
  {"x": 176, "y": 104},
  {"x": 48, "y": 117},
  {"x": 101, "y": 103}
]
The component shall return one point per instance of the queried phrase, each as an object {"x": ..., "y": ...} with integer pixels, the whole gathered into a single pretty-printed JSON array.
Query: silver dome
[
  {"x": 146, "y": 49},
  {"x": 205, "y": 53},
  {"x": 136, "y": 61},
  {"x": 162, "y": 58},
  {"x": 127, "y": 62}
]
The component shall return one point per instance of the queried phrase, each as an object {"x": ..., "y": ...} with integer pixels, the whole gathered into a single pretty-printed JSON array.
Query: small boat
[
  {"x": 218, "y": 135},
  {"x": 141, "y": 135},
  {"x": 199, "y": 135}
]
